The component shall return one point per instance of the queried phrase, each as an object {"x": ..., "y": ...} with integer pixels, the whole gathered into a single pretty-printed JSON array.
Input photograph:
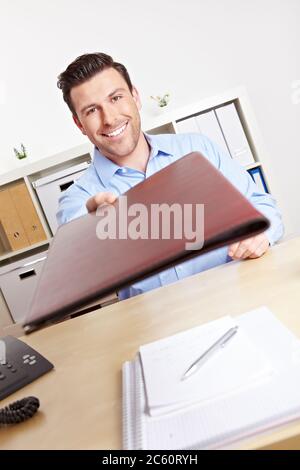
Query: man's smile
[{"x": 116, "y": 132}]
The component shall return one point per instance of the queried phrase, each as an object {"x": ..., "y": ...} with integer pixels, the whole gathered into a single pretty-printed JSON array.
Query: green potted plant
[
  {"x": 20, "y": 154},
  {"x": 162, "y": 101}
]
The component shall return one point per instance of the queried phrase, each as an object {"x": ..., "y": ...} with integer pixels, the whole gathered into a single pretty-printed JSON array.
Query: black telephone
[{"x": 19, "y": 365}]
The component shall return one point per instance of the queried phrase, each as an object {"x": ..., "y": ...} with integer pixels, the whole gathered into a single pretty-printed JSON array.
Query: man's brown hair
[{"x": 85, "y": 67}]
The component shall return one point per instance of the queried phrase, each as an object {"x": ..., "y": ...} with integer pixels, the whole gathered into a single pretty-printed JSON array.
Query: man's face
[{"x": 108, "y": 114}]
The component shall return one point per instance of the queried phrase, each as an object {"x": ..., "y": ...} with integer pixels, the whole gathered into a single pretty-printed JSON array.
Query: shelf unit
[{"x": 169, "y": 121}]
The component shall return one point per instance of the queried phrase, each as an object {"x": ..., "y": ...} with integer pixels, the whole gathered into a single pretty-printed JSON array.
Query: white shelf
[
  {"x": 172, "y": 115},
  {"x": 60, "y": 159},
  {"x": 14, "y": 254},
  {"x": 254, "y": 165}
]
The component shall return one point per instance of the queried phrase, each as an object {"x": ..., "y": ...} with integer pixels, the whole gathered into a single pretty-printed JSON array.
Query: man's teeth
[{"x": 117, "y": 131}]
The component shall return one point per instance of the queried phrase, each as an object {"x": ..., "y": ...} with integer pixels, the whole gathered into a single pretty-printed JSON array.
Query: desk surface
[{"x": 81, "y": 399}]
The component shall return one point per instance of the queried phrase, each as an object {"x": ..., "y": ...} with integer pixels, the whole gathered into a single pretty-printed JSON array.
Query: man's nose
[{"x": 109, "y": 116}]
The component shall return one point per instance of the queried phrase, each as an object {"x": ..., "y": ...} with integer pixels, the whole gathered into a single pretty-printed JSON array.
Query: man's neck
[{"x": 138, "y": 159}]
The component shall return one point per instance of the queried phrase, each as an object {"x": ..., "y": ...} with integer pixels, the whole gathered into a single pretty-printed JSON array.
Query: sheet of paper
[{"x": 231, "y": 368}]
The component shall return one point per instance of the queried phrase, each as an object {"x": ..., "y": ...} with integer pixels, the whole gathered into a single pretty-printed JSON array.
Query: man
[{"x": 105, "y": 107}]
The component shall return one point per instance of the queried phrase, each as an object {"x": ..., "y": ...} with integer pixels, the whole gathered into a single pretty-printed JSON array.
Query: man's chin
[
  {"x": 114, "y": 153},
  {"x": 117, "y": 149}
]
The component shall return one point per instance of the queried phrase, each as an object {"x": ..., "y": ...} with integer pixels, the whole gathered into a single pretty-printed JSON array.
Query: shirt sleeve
[
  {"x": 241, "y": 179},
  {"x": 72, "y": 204}
]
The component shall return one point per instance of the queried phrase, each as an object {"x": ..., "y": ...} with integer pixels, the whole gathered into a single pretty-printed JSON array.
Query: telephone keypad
[{"x": 20, "y": 366}]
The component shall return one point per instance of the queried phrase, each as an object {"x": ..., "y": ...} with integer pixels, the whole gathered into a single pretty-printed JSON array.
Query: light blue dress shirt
[{"x": 104, "y": 175}]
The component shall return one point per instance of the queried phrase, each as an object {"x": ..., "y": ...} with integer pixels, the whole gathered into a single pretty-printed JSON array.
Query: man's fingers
[
  {"x": 241, "y": 250},
  {"x": 232, "y": 249},
  {"x": 99, "y": 199},
  {"x": 90, "y": 205},
  {"x": 253, "y": 247},
  {"x": 237, "y": 250},
  {"x": 260, "y": 249},
  {"x": 104, "y": 198},
  {"x": 248, "y": 248}
]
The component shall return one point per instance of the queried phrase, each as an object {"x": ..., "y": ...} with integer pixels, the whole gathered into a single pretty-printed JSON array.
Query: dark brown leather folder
[{"x": 81, "y": 268}]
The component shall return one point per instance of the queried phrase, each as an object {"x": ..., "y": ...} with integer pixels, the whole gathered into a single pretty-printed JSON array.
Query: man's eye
[
  {"x": 90, "y": 111},
  {"x": 116, "y": 98}
]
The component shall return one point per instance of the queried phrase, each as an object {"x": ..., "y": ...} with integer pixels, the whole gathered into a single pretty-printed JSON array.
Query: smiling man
[
  {"x": 105, "y": 107},
  {"x": 107, "y": 112}
]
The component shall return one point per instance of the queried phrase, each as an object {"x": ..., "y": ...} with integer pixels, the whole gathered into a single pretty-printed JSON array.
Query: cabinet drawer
[
  {"x": 19, "y": 283},
  {"x": 50, "y": 188}
]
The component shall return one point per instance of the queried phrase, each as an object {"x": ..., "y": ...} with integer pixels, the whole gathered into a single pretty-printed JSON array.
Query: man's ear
[
  {"x": 78, "y": 124},
  {"x": 136, "y": 98}
]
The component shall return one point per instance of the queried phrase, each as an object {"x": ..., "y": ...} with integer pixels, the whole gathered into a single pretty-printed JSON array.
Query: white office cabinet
[
  {"x": 50, "y": 188},
  {"x": 18, "y": 284},
  {"x": 234, "y": 134}
]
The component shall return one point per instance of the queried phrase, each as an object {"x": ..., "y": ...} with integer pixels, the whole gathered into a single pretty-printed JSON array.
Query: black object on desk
[{"x": 19, "y": 365}]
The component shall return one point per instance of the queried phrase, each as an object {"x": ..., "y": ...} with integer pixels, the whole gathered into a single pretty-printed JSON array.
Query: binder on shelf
[
  {"x": 258, "y": 178},
  {"x": 207, "y": 124},
  {"x": 234, "y": 134},
  {"x": 187, "y": 125},
  {"x": 27, "y": 213},
  {"x": 4, "y": 242},
  {"x": 11, "y": 222},
  {"x": 249, "y": 386}
]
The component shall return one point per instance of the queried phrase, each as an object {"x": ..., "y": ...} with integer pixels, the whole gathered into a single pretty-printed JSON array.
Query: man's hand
[
  {"x": 99, "y": 199},
  {"x": 253, "y": 247}
]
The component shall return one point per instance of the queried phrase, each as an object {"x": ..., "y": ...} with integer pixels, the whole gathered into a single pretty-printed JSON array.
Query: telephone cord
[{"x": 19, "y": 411}]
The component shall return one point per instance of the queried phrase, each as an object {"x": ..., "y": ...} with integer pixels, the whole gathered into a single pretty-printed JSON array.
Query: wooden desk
[{"x": 81, "y": 398}]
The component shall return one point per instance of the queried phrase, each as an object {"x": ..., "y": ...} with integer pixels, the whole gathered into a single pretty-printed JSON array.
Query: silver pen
[{"x": 220, "y": 343}]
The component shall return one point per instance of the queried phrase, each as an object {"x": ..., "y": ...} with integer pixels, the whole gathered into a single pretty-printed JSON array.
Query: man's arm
[
  {"x": 72, "y": 204},
  {"x": 264, "y": 202},
  {"x": 76, "y": 202}
]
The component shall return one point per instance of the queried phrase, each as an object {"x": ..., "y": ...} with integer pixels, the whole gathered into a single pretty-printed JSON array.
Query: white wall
[{"x": 191, "y": 48}]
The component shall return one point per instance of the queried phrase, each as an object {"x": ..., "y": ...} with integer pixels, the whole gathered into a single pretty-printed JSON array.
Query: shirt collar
[
  {"x": 157, "y": 145},
  {"x": 106, "y": 168}
]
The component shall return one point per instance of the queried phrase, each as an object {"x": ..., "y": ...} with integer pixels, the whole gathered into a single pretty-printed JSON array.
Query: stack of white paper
[
  {"x": 236, "y": 366},
  {"x": 250, "y": 385}
]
